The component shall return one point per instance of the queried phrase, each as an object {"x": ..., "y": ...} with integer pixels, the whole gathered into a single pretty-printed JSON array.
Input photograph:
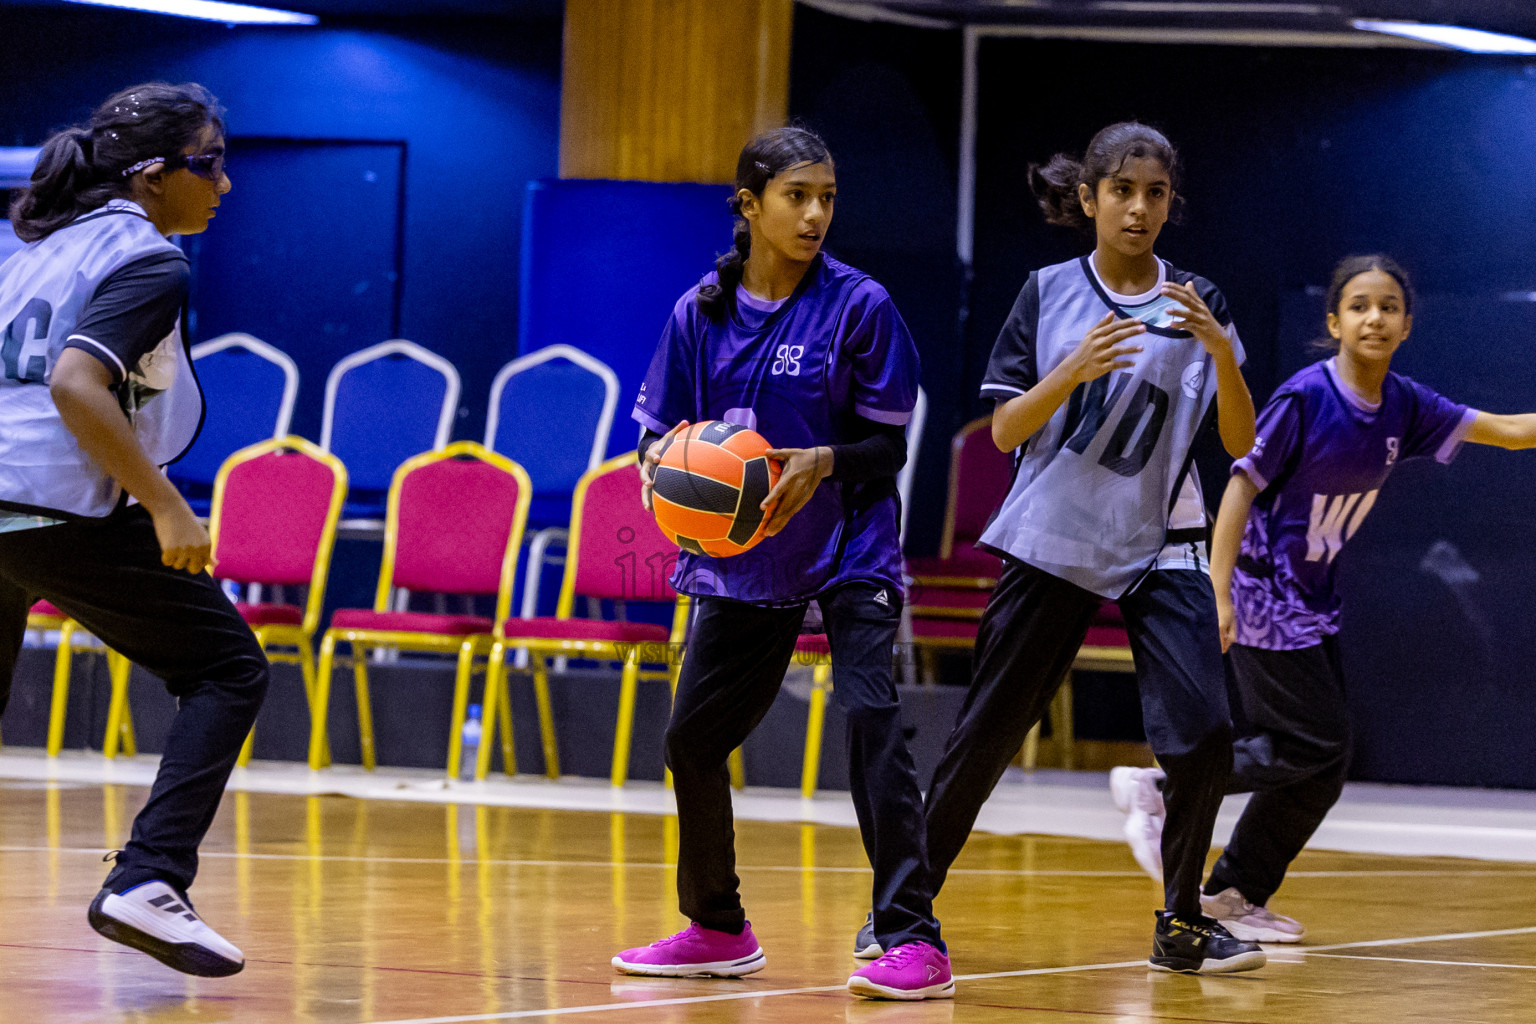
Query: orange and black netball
[{"x": 709, "y": 485}]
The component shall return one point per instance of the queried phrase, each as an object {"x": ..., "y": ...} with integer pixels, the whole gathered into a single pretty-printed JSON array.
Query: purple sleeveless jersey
[
  {"x": 1320, "y": 457},
  {"x": 799, "y": 375}
]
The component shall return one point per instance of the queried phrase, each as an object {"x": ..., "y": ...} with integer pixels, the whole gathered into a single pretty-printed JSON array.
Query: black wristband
[{"x": 881, "y": 454}]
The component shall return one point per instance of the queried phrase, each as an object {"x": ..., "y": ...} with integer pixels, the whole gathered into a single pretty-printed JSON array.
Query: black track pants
[
  {"x": 1031, "y": 630},
  {"x": 1293, "y": 762},
  {"x": 737, "y": 655},
  {"x": 107, "y": 575}
]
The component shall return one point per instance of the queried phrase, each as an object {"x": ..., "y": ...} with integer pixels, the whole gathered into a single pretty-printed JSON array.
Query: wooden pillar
[{"x": 670, "y": 90}]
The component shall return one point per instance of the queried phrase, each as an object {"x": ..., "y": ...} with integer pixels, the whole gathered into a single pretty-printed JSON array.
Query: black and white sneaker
[
  {"x": 865, "y": 945},
  {"x": 156, "y": 919},
  {"x": 1200, "y": 946}
]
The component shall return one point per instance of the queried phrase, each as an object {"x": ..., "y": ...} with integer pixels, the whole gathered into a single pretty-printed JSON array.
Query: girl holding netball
[
  {"x": 1103, "y": 374},
  {"x": 97, "y": 395},
  {"x": 1326, "y": 443},
  {"x": 785, "y": 340}
]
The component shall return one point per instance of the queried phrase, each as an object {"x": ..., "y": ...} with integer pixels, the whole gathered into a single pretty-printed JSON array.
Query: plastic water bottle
[{"x": 469, "y": 745}]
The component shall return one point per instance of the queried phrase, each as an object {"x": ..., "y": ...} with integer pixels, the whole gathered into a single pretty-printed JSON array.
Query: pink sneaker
[
  {"x": 697, "y": 951},
  {"x": 914, "y": 970}
]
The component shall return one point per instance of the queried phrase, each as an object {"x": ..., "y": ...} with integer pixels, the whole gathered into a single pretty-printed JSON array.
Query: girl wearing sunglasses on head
[{"x": 97, "y": 394}]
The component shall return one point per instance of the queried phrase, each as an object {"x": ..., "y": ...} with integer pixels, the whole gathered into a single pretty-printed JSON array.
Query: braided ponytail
[
  {"x": 82, "y": 167},
  {"x": 761, "y": 159},
  {"x": 713, "y": 298}
]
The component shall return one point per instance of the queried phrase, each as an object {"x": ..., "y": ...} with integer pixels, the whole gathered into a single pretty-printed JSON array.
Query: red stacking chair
[
  {"x": 979, "y": 475},
  {"x": 616, "y": 553},
  {"x": 1106, "y": 649},
  {"x": 453, "y": 525},
  {"x": 814, "y": 650},
  {"x": 44, "y": 616},
  {"x": 273, "y": 524},
  {"x": 949, "y": 591}
]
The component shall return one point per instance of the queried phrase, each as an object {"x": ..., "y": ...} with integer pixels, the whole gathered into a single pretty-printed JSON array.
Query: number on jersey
[{"x": 36, "y": 315}]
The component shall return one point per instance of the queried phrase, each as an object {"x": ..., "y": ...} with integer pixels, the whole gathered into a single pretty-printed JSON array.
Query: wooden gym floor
[{"x": 364, "y": 911}]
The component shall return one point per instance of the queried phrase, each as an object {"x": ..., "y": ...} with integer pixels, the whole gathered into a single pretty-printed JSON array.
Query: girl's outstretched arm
[
  {"x": 1226, "y": 540},
  {"x": 1504, "y": 431}
]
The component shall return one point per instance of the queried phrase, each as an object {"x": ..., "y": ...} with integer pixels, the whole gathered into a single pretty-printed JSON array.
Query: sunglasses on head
[{"x": 204, "y": 165}]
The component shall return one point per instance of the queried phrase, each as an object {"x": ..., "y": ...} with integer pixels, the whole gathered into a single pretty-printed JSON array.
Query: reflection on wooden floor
[{"x": 372, "y": 911}]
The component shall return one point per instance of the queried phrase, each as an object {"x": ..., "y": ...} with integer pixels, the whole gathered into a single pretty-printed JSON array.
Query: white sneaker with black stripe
[
  {"x": 1137, "y": 792},
  {"x": 158, "y": 920}
]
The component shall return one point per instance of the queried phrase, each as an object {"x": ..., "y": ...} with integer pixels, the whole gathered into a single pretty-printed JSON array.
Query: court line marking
[
  {"x": 562, "y": 1011},
  {"x": 791, "y": 868},
  {"x": 470, "y": 858},
  {"x": 764, "y": 994},
  {"x": 1436, "y": 963},
  {"x": 1444, "y": 937}
]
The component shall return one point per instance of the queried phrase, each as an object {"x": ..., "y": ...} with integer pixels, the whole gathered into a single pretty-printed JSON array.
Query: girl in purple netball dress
[
  {"x": 811, "y": 353},
  {"x": 1326, "y": 442}
]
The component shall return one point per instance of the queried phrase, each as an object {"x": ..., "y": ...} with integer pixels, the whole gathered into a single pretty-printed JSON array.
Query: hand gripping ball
[{"x": 709, "y": 483}]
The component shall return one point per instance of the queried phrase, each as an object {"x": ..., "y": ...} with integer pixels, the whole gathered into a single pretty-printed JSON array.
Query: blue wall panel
[
  {"x": 603, "y": 265},
  {"x": 475, "y": 104}
]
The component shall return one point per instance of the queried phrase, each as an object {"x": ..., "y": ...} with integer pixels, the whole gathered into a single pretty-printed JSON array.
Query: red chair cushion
[
  {"x": 622, "y": 553},
  {"x": 923, "y": 597},
  {"x": 966, "y": 560},
  {"x": 1109, "y": 615},
  {"x": 1107, "y": 636},
  {"x": 943, "y": 629},
  {"x": 583, "y": 629},
  {"x": 409, "y": 622},
  {"x": 981, "y": 475},
  {"x": 812, "y": 643},
  {"x": 454, "y": 521},
  {"x": 44, "y": 608},
  {"x": 266, "y": 614},
  {"x": 953, "y": 629}
]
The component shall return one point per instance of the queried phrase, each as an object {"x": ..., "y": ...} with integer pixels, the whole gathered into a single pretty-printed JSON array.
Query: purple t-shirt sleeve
[
  {"x": 1438, "y": 427},
  {"x": 667, "y": 395},
  {"x": 885, "y": 365},
  {"x": 1277, "y": 439}
]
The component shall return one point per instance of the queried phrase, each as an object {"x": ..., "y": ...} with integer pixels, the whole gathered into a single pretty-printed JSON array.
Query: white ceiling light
[
  {"x": 211, "y": 10},
  {"x": 1456, "y": 38},
  {"x": 1210, "y": 7}
]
